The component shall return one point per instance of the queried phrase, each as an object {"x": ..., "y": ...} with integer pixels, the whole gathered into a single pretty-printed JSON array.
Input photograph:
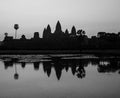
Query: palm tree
[
  {"x": 16, "y": 27},
  {"x": 16, "y": 75},
  {"x": 6, "y": 34}
]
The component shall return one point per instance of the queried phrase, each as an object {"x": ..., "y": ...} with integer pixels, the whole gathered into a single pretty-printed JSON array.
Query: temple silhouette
[{"x": 59, "y": 40}]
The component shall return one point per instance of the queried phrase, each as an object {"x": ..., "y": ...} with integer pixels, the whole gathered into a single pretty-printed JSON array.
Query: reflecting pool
[{"x": 59, "y": 76}]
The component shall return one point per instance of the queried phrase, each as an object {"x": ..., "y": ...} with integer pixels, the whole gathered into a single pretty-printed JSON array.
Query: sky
[{"x": 34, "y": 15}]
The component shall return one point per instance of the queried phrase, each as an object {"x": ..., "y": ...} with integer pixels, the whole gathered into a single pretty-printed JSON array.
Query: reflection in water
[
  {"x": 59, "y": 77},
  {"x": 23, "y": 64},
  {"x": 77, "y": 66},
  {"x": 36, "y": 65},
  {"x": 111, "y": 66},
  {"x": 16, "y": 75}
]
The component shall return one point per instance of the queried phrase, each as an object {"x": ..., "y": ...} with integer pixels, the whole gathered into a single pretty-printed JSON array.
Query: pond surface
[{"x": 59, "y": 76}]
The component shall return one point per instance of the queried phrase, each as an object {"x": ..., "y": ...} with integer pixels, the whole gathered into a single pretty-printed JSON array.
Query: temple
[
  {"x": 58, "y": 40},
  {"x": 62, "y": 40}
]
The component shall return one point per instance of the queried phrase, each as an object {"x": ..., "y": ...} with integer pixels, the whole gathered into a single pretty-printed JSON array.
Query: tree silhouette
[
  {"x": 6, "y": 34},
  {"x": 16, "y": 27},
  {"x": 23, "y": 37},
  {"x": 80, "y": 32}
]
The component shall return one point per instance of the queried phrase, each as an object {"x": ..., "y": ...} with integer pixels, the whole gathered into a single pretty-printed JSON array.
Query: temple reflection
[
  {"x": 77, "y": 66},
  {"x": 23, "y": 64},
  {"x": 36, "y": 65},
  {"x": 8, "y": 64}
]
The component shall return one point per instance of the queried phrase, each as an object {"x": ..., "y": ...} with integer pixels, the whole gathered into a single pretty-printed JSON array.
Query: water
[{"x": 59, "y": 76}]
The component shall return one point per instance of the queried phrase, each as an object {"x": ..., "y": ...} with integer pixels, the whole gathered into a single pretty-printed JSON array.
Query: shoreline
[{"x": 30, "y": 52}]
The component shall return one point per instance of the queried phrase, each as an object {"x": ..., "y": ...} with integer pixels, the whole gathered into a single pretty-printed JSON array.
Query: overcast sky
[{"x": 34, "y": 15}]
